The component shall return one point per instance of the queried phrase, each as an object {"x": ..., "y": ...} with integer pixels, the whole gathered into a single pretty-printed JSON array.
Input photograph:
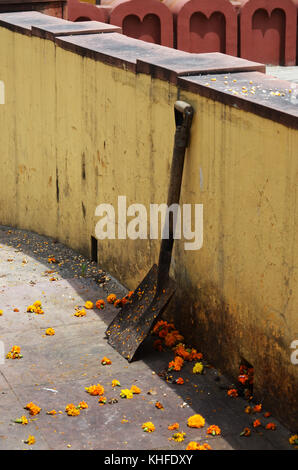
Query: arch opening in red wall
[
  {"x": 148, "y": 29},
  {"x": 268, "y": 33},
  {"x": 207, "y": 34}
]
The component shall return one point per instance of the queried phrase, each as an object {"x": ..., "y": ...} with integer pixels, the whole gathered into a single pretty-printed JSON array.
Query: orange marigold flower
[
  {"x": 194, "y": 355},
  {"x": 172, "y": 338},
  {"x": 14, "y": 353},
  {"x": 267, "y": 414},
  {"x": 257, "y": 408},
  {"x": 232, "y": 393},
  {"x": 204, "y": 446},
  {"x": 100, "y": 304},
  {"x": 118, "y": 303},
  {"x": 72, "y": 410},
  {"x": 102, "y": 400},
  {"x": 196, "y": 421},
  {"x": 83, "y": 405},
  {"x": 214, "y": 430},
  {"x": 148, "y": 427},
  {"x": 52, "y": 259},
  {"x": 106, "y": 361},
  {"x": 176, "y": 364},
  {"x": 52, "y": 412},
  {"x": 33, "y": 409},
  {"x": 173, "y": 427},
  {"x": 180, "y": 381},
  {"x": 192, "y": 446},
  {"x": 159, "y": 405},
  {"x": 271, "y": 426},
  {"x": 111, "y": 298},
  {"x": 95, "y": 390},
  {"x": 158, "y": 345},
  {"x": 246, "y": 432},
  {"x": 256, "y": 423},
  {"x": 134, "y": 389},
  {"x": 242, "y": 379}
]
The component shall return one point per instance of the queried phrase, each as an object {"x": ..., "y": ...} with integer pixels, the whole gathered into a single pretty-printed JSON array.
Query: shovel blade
[{"x": 137, "y": 317}]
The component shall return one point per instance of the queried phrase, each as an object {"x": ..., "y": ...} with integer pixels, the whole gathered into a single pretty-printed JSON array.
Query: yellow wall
[{"x": 94, "y": 132}]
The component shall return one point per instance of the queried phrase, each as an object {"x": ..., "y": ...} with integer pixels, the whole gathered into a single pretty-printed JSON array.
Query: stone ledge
[
  {"x": 70, "y": 28},
  {"x": 266, "y": 96}
]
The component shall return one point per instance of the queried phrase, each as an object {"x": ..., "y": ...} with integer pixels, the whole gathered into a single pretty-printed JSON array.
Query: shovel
[{"x": 137, "y": 317}]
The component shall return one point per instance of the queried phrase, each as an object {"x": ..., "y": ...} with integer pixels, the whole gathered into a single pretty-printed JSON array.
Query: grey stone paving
[
  {"x": 55, "y": 370},
  {"x": 284, "y": 73}
]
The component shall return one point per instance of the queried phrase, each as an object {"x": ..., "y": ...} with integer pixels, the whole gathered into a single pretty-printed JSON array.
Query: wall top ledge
[
  {"x": 73, "y": 28},
  {"x": 254, "y": 92},
  {"x": 22, "y": 21},
  {"x": 158, "y": 61}
]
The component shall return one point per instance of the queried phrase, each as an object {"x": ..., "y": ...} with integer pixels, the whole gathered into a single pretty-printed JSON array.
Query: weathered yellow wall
[{"x": 76, "y": 133}]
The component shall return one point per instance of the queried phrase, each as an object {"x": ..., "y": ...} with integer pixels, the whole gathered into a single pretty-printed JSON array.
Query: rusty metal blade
[{"x": 136, "y": 318}]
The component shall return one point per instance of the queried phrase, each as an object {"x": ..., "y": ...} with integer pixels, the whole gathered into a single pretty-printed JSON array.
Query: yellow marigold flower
[
  {"x": 21, "y": 420},
  {"x": 31, "y": 308},
  {"x": 95, "y": 390},
  {"x": 293, "y": 440},
  {"x": 173, "y": 427},
  {"x": 50, "y": 331},
  {"x": 115, "y": 383},
  {"x": 125, "y": 393},
  {"x": 102, "y": 400},
  {"x": 80, "y": 313},
  {"x": 111, "y": 298},
  {"x": 214, "y": 430},
  {"x": 38, "y": 311},
  {"x": 135, "y": 389},
  {"x": 198, "y": 368},
  {"x": 1, "y": 312},
  {"x": 196, "y": 421},
  {"x": 32, "y": 408},
  {"x": 148, "y": 427},
  {"x": 178, "y": 436},
  {"x": 83, "y": 405},
  {"x": 37, "y": 303},
  {"x": 89, "y": 304},
  {"x": 106, "y": 361},
  {"x": 30, "y": 441}
]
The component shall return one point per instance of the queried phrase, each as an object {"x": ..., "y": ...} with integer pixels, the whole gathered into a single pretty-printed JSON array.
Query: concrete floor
[{"x": 55, "y": 370}]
